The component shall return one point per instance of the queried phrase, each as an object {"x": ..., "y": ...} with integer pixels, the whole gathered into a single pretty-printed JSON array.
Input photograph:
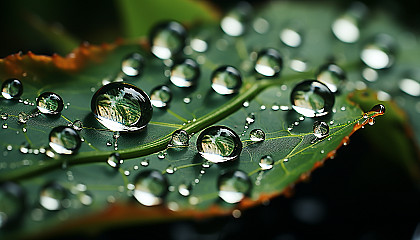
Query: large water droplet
[
  {"x": 122, "y": 107},
  {"x": 266, "y": 162},
  {"x": 331, "y": 75},
  {"x": 219, "y": 144},
  {"x": 132, "y": 65},
  {"x": 291, "y": 37},
  {"x": 64, "y": 140},
  {"x": 179, "y": 138},
  {"x": 321, "y": 129},
  {"x": 234, "y": 23},
  {"x": 160, "y": 96},
  {"x": 226, "y": 80},
  {"x": 11, "y": 88},
  {"x": 167, "y": 39},
  {"x": 312, "y": 98},
  {"x": 346, "y": 27},
  {"x": 150, "y": 187},
  {"x": 379, "y": 53},
  {"x": 185, "y": 73},
  {"x": 49, "y": 103},
  {"x": 410, "y": 86},
  {"x": 12, "y": 204},
  {"x": 52, "y": 195},
  {"x": 233, "y": 186},
  {"x": 269, "y": 62},
  {"x": 257, "y": 135},
  {"x": 114, "y": 160}
]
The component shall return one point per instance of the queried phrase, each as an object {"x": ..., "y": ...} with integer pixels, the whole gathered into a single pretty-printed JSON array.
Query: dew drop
[
  {"x": 85, "y": 198},
  {"x": 370, "y": 74},
  {"x": 12, "y": 88},
  {"x": 261, "y": 25},
  {"x": 114, "y": 160},
  {"x": 185, "y": 73},
  {"x": 410, "y": 86},
  {"x": 184, "y": 189},
  {"x": 371, "y": 121},
  {"x": 52, "y": 196},
  {"x": 12, "y": 204},
  {"x": 250, "y": 119},
  {"x": 379, "y": 53},
  {"x": 234, "y": 23},
  {"x": 77, "y": 125},
  {"x": 269, "y": 62},
  {"x": 199, "y": 45},
  {"x": 167, "y": 39},
  {"x": 122, "y": 107},
  {"x": 150, "y": 187},
  {"x": 233, "y": 186},
  {"x": 219, "y": 144},
  {"x": 346, "y": 27},
  {"x": 4, "y": 116},
  {"x": 161, "y": 96},
  {"x": 379, "y": 109},
  {"x": 170, "y": 169},
  {"x": 290, "y": 37},
  {"x": 226, "y": 80},
  {"x": 257, "y": 135},
  {"x": 144, "y": 162},
  {"x": 179, "y": 138},
  {"x": 161, "y": 155},
  {"x": 64, "y": 140},
  {"x": 245, "y": 104},
  {"x": 321, "y": 129},
  {"x": 108, "y": 143},
  {"x": 266, "y": 162},
  {"x": 331, "y": 75},
  {"x": 187, "y": 100},
  {"x": 49, "y": 103},
  {"x": 132, "y": 65},
  {"x": 298, "y": 65},
  {"x": 312, "y": 98},
  {"x": 5, "y": 126}
]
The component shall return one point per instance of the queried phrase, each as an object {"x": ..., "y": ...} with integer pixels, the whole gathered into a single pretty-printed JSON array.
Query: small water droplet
[
  {"x": 179, "y": 138},
  {"x": 312, "y": 98},
  {"x": 263, "y": 107},
  {"x": 250, "y": 119},
  {"x": 346, "y": 27},
  {"x": 379, "y": 53},
  {"x": 184, "y": 189},
  {"x": 52, "y": 196},
  {"x": 185, "y": 73},
  {"x": 24, "y": 148},
  {"x": 370, "y": 74},
  {"x": 167, "y": 39},
  {"x": 371, "y": 121},
  {"x": 261, "y": 25},
  {"x": 321, "y": 129},
  {"x": 77, "y": 125},
  {"x": 233, "y": 186},
  {"x": 122, "y": 107},
  {"x": 23, "y": 117},
  {"x": 12, "y": 204},
  {"x": 226, "y": 80},
  {"x": 219, "y": 144},
  {"x": 269, "y": 63},
  {"x": 4, "y": 116},
  {"x": 9, "y": 147},
  {"x": 64, "y": 140},
  {"x": 298, "y": 65},
  {"x": 187, "y": 100},
  {"x": 234, "y": 23},
  {"x": 114, "y": 160},
  {"x": 291, "y": 37},
  {"x": 5, "y": 126},
  {"x": 275, "y": 107},
  {"x": 410, "y": 86},
  {"x": 160, "y": 96},
  {"x": 108, "y": 143},
  {"x": 12, "y": 88},
  {"x": 257, "y": 135},
  {"x": 331, "y": 75},
  {"x": 343, "y": 108},
  {"x": 379, "y": 109},
  {"x": 85, "y": 198},
  {"x": 161, "y": 155},
  {"x": 150, "y": 187},
  {"x": 170, "y": 169},
  {"x": 132, "y": 65},
  {"x": 245, "y": 104},
  {"x": 266, "y": 162},
  {"x": 144, "y": 162},
  {"x": 49, "y": 103},
  {"x": 199, "y": 45}
]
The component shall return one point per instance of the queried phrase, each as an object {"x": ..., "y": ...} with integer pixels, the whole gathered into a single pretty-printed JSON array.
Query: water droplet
[
  {"x": 132, "y": 65},
  {"x": 77, "y": 125},
  {"x": 234, "y": 23},
  {"x": 160, "y": 96},
  {"x": 290, "y": 37},
  {"x": 245, "y": 104},
  {"x": 185, "y": 73},
  {"x": 199, "y": 45},
  {"x": 23, "y": 117},
  {"x": 226, "y": 80},
  {"x": 298, "y": 65},
  {"x": 12, "y": 204},
  {"x": 331, "y": 75},
  {"x": 150, "y": 187},
  {"x": 4, "y": 126},
  {"x": 179, "y": 138},
  {"x": 114, "y": 160},
  {"x": 312, "y": 98},
  {"x": 379, "y": 109},
  {"x": 12, "y": 88},
  {"x": 144, "y": 162},
  {"x": 261, "y": 25},
  {"x": 379, "y": 53},
  {"x": 369, "y": 74},
  {"x": 85, "y": 198},
  {"x": 257, "y": 135},
  {"x": 122, "y": 107},
  {"x": 219, "y": 144},
  {"x": 49, "y": 103},
  {"x": 346, "y": 27},
  {"x": 410, "y": 86},
  {"x": 187, "y": 100},
  {"x": 108, "y": 143},
  {"x": 170, "y": 169},
  {"x": 167, "y": 39},
  {"x": 233, "y": 186},
  {"x": 266, "y": 162},
  {"x": 371, "y": 121},
  {"x": 250, "y": 119},
  {"x": 321, "y": 129},
  {"x": 4, "y": 116},
  {"x": 269, "y": 62},
  {"x": 64, "y": 140},
  {"x": 52, "y": 196},
  {"x": 184, "y": 190}
]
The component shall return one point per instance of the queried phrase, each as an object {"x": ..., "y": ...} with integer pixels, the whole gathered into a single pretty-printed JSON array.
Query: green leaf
[{"x": 100, "y": 195}]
